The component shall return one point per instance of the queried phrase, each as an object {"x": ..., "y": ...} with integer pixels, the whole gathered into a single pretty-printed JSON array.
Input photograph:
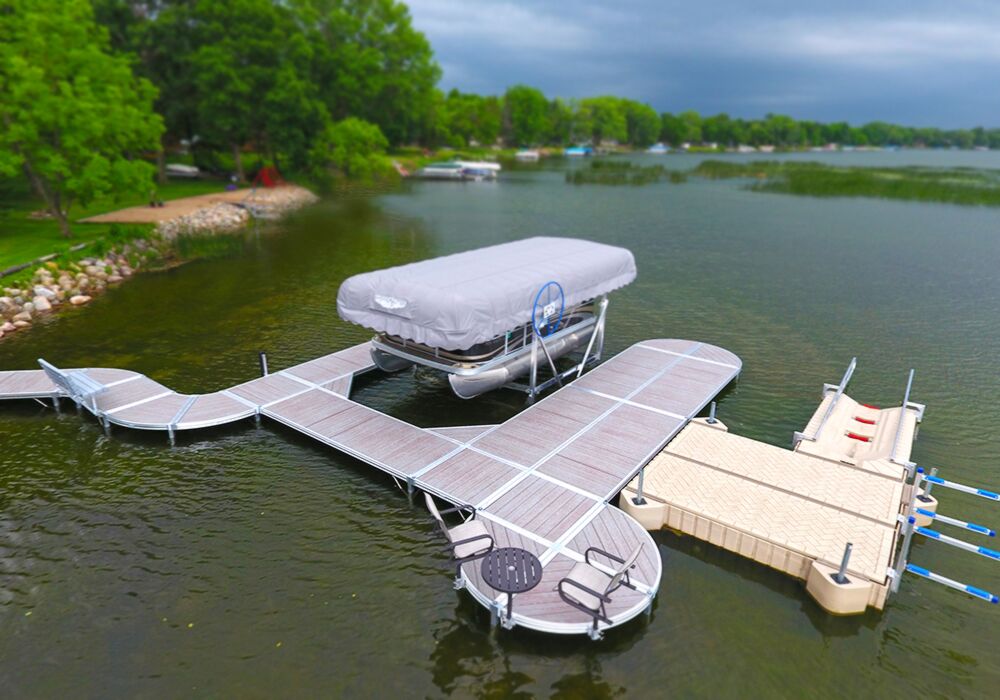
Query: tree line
[{"x": 92, "y": 92}]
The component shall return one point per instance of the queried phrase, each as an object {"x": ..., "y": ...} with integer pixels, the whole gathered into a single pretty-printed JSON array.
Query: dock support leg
[
  {"x": 107, "y": 425},
  {"x": 639, "y": 500},
  {"x": 410, "y": 487},
  {"x": 170, "y": 435},
  {"x": 711, "y": 415},
  {"x": 55, "y": 405},
  {"x": 841, "y": 576},
  {"x": 262, "y": 356},
  {"x": 930, "y": 484},
  {"x": 903, "y": 554},
  {"x": 533, "y": 382}
]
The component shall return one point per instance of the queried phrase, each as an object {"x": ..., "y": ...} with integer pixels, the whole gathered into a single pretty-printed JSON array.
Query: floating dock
[
  {"x": 541, "y": 481},
  {"x": 838, "y": 510}
]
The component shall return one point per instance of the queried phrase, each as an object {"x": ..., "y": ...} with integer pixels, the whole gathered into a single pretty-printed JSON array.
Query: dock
[
  {"x": 837, "y": 510},
  {"x": 542, "y": 480}
]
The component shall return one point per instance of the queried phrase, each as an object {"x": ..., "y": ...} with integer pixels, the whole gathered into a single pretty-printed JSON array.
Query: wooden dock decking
[{"x": 541, "y": 480}]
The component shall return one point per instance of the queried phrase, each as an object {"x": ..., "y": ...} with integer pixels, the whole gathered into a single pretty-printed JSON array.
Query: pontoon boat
[{"x": 490, "y": 316}]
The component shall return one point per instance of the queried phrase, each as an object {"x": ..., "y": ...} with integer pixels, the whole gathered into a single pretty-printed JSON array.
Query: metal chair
[
  {"x": 589, "y": 589},
  {"x": 468, "y": 541}
]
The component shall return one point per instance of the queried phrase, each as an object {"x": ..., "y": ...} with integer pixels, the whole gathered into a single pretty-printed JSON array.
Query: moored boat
[{"x": 488, "y": 317}]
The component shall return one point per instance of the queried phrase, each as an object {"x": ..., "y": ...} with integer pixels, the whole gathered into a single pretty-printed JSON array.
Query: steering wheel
[{"x": 547, "y": 314}]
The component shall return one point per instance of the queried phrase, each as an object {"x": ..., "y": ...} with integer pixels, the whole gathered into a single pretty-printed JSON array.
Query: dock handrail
[
  {"x": 839, "y": 392},
  {"x": 902, "y": 416},
  {"x": 77, "y": 385}
]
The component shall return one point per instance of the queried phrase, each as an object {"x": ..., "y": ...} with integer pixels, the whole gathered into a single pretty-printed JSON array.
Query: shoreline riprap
[{"x": 56, "y": 285}]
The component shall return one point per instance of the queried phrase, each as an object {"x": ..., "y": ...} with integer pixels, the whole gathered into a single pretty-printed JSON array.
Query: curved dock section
[{"x": 541, "y": 481}]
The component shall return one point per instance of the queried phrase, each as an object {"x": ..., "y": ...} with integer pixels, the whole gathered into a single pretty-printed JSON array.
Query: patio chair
[
  {"x": 589, "y": 589},
  {"x": 468, "y": 541}
]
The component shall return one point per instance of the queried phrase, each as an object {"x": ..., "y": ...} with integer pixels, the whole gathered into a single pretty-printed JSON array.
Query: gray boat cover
[{"x": 456, "y": 301}]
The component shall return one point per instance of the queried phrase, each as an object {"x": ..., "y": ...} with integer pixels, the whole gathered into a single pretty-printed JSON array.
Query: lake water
[{"x": 252, "y": 562}]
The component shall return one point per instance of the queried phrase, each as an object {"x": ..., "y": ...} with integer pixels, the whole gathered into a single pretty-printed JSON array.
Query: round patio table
[{"x": 511, "y": 570}]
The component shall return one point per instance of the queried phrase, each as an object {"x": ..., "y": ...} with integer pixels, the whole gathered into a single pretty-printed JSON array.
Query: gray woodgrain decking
[{"x": 541, "y": 480}]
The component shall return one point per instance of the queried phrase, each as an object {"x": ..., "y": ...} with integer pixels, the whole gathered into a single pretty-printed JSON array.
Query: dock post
[
  {"x": 930, "y": 484},
  {"x": 639, "y": 500},
  {"x": 711, "y": 415},
  {"x": 410, "y": 486},
  {"x": 534, "y": 365},
  {"x": 903, "y": 553},
  {"x": 55, "y": 405},
  {"x": 841, "y": 576},
  {"x": 263, "y": 363},
  {"x": 170, "y": 434}
]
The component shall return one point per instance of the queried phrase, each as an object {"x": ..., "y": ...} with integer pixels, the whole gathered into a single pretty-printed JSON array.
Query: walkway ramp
[{"x": 541, "y": 480}]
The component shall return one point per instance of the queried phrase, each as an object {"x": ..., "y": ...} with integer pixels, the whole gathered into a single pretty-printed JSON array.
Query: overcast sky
[{"x": 913, "y": 62}]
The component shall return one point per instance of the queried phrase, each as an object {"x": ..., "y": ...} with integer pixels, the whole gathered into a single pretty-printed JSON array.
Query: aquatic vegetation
[
  {"x": 967, "y": 186},
  {"x": 622, "y": 172}
]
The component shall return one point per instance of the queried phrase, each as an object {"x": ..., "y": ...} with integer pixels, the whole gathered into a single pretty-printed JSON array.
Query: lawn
[{"x": 23, "y": 239}]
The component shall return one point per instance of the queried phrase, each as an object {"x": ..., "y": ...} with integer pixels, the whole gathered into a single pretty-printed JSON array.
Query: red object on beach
[
  {"x": 862, "y": 438},
  {"x": 268, "y": 176},
  {"x": 866, "y": 421}
]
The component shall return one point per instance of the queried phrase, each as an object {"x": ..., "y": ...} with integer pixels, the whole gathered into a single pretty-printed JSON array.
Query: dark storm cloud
[{"x": 916, "y": 62}]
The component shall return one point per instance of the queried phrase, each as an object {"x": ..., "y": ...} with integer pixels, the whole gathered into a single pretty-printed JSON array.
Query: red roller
[
  {"x": 868, "y": 405},
  {"x": 862, "y": 438},
  {"x": 866, "y": 421}
]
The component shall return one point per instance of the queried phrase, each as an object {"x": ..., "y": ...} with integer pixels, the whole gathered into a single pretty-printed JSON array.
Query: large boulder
[
  {"x": 42, "y": 304},
  {"x": 43, "y": 291}
]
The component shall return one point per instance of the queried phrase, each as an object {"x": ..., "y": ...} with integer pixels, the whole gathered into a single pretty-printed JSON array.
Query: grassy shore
[
  {"x": 966, "y": 186},
  {"x": 24, "y": 238}
]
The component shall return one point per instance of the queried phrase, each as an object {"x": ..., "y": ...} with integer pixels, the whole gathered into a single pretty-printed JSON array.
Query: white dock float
[{"x": 541, "y": 481}]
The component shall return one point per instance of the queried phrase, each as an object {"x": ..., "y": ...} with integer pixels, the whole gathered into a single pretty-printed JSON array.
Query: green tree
[
  {"x": 472, "y": 118},
  {"x": 605, "y": 118},
  {"x": 642, "y": 123},
  {"x": 247, "y": 50},
  {"x": 560, "y": 118},
  {"x": 671, "y": 129},
  {"x": 368, "y": 61},
  {"x": 73, "y": 117},
  {"x": 354, "y": 148},
  {"x": 526, "y": 116},
  {"x": 690, "y": 122}
]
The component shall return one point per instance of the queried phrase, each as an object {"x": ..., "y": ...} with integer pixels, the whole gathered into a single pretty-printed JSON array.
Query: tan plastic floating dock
[
  {"x": 794, "y": 510},
  {"x": 540, "y": 481}
]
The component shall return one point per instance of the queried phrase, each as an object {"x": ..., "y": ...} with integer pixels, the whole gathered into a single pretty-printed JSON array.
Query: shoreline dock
[{"x": 541, "y": 481}]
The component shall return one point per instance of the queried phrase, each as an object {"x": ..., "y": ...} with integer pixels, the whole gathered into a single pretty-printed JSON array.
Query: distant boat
[
  {"x": 447, "y": 170},
  {"x": 459, "y": 170},
  {"x": 527, "y": 156},
  {"x": 181, "y": 170},
  {"x": 579, "y": 151},
  {"x": 658, "y": 149},
  {"x": 480, "y": 168}
]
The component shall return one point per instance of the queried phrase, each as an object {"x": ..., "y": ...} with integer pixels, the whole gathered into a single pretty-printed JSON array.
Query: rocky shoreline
[{"x": 57, "y": 285}]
